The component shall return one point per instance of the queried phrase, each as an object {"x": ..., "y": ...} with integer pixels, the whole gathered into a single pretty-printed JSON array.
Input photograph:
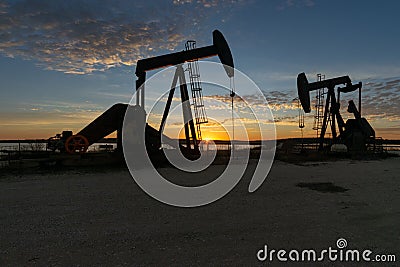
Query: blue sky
[{"x": 64, "y": 62}]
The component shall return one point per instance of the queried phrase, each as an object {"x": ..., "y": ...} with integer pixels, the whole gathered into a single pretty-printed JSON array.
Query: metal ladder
[
  {"x": 200, "y": 115},
  {"x": 319, "y": 106}
]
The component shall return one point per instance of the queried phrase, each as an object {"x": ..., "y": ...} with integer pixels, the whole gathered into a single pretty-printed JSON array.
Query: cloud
[
  {"x": 281, "y": 100},
  {"x": 381, "y": 99},
  {"x": 82, "y": 36}
]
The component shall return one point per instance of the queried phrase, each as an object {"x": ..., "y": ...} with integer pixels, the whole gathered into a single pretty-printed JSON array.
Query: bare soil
[{"x": 103, "y": 218}]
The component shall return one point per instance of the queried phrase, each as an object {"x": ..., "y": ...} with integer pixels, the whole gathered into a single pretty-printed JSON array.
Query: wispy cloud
[
  {"x": 82, "y": 36},
  {"x": 382, "y": 99}
]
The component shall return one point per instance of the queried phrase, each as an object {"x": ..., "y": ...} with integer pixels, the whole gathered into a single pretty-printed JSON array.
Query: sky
[{"x": 65, "y": 62}]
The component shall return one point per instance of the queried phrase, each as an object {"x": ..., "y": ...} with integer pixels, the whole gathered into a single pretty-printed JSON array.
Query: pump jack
[
  {"x": 353, "y": 129},
  {"x": 219, "y": 48}
]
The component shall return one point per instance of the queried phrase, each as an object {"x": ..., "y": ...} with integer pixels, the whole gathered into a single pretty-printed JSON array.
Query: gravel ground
[{"x": 104, "y": 219}]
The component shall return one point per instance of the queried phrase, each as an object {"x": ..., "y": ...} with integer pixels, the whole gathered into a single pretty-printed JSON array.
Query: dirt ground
[{"x": 104, "y": 219}]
